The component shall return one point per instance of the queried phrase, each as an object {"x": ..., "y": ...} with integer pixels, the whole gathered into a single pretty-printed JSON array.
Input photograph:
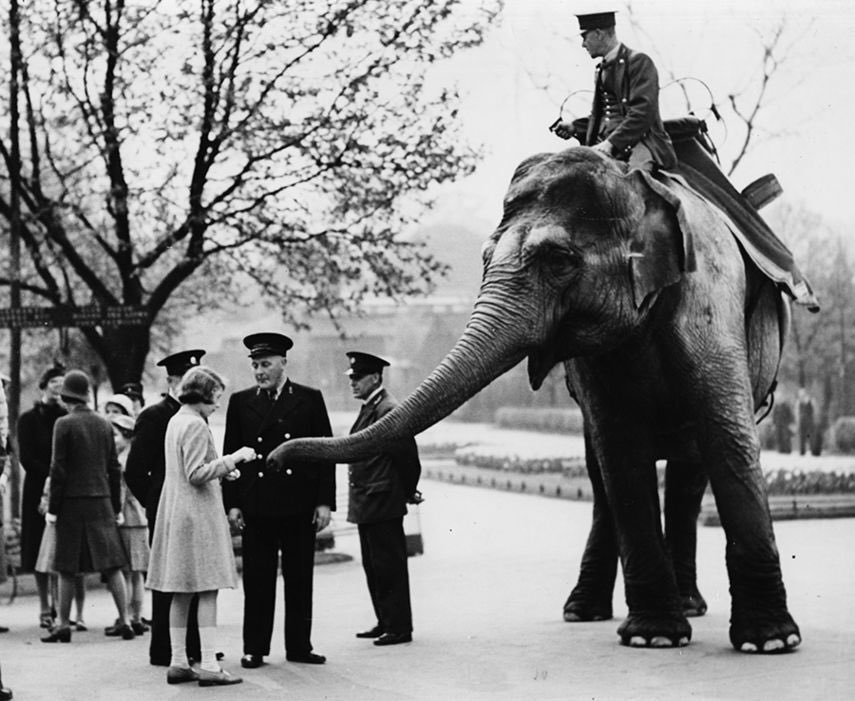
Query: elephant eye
[{"x": 561, "y": 258}]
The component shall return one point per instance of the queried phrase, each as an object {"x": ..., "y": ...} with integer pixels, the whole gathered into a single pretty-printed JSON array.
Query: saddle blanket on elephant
[{"x": 762, "y": 246}]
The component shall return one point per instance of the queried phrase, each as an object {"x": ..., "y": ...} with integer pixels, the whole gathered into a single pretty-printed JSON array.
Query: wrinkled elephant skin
[{"x": 641, "y": 291}]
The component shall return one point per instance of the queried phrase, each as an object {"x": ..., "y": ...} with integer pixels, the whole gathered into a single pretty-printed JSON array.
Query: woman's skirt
[
  {"x": 87, "y": 537},
  {"x": 135, "y": 544}
]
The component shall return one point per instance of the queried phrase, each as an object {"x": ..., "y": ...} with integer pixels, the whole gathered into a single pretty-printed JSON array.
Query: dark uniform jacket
[
  {"x": 636, "y": 84},
  {"x": 82, "y": 445},
  {"x": 146, "y": 464},
  {"x": 253, "y": 420},
  {"x": 380, "y": 486}
]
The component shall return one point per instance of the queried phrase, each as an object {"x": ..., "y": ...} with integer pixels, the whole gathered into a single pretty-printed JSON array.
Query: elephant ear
[{"x": 662, "y": 245}]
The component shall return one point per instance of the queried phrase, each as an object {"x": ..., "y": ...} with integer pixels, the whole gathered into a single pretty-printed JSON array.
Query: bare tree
[{"x": 178, "y": 152}]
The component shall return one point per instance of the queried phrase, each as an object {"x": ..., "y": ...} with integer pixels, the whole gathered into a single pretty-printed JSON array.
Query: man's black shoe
[
  {"x": 375, "y": 632},
  {"x": 251, "y": 661},
  {"x": 307, "y": 658},
  {"x": 394, "y": 639}
]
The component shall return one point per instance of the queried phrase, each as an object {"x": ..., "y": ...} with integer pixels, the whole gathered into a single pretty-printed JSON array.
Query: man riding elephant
[{"x": 625, "y": 124}]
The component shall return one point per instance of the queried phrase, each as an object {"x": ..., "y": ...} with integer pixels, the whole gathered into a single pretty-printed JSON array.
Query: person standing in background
[
  {"x": 4, "y": 478},
  {"x": 380, "y": 488},
  {"x": 35, "y": 436},
  {"x": 85, "y": 488},
  {"x": 144, "y": 475},
  {"x": 133, "y": 530}
]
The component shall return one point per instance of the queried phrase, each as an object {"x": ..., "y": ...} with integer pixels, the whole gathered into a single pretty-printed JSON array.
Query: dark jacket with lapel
[
  {"x": 298, "y": 412},
  {"x": 379, "y": 486},
  {"x": 637, "y": 87},
  {"x": 84, "y": 461},
  {"x": 146, "y": 465}
]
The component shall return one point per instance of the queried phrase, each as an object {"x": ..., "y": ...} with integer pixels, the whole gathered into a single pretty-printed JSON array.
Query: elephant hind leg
[
  {"x": 685, "y": 484},
  {"x": 591, "y": 598}
]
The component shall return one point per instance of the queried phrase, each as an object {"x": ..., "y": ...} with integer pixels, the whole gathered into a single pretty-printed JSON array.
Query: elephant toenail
[
  {"x": 773, "y": 645},
  {"x": 748, "y": 647},
  {"x": 660, "y": 641},
  {"x": 637, "y": 641},
  {"x": 793, "y": 640},
  {"x": 683, "y": 642}
]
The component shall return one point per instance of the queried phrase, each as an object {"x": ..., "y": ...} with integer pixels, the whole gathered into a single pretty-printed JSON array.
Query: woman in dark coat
[
  {"x": 35, "y": 432},
  {"x": 85, "y": 504}
]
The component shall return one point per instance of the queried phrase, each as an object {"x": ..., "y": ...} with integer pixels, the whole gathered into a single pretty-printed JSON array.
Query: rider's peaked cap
[
  {"x": 596, "y": 20},
  {"x": 364, "y": 363},
  {"x": 262, "y": 344},
  {"x": 181, "y": 362}
]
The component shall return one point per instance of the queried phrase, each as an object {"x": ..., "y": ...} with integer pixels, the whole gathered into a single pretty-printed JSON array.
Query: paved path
[{"x": 487, "y": 603}]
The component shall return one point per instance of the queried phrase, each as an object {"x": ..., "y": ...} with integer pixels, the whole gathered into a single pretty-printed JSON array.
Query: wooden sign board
[{"x": 60, "y": 317}]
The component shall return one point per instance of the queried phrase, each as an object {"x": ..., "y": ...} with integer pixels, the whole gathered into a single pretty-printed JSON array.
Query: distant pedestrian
[
  {"x": 380, "y": 488},
  {"x": 35, "y": 435},
  {"x": 806, "y": 420},
  {"x": 134, "y": 391},
  {"x": 144, "y": 473},
  {"x": 277, "y": 513},
  {"x": 133, "y": 530},
  {"x": 783, "y": 418},
  {"x": 85, "y": 488},
  {"x": 119, "y": 405},
  {"x": 192, "y": 553},
  {"x": 4, "y": 478}
]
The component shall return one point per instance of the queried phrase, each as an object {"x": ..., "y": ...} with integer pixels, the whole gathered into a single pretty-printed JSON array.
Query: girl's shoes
[
  {"x": 46, "y": 621},
  {"x": 221, "y": 678},
  {"x": 139, "y": 627},
  {"x": 59, "y": 635},
  {"x": 80, "y": 627}
]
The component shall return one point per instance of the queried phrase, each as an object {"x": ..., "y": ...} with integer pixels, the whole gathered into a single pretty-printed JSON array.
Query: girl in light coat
[{"x": 191, "y": 551}]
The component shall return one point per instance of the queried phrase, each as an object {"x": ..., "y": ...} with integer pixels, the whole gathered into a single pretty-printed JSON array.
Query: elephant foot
[
  {"x": 580, "y": 611},
  {"x": 764, "y": 635},
  {"x": 693, "y": 603},
  {"x": 655, "y": 630}
]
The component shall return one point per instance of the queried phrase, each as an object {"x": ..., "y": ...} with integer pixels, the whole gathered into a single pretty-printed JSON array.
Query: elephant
[{"x": 669, "y": 337}]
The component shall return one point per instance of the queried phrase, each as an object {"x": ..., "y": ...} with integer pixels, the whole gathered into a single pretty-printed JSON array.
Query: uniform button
[
  {"x": 287, "y": 436},
  {"x": 261, "y": 474},
  {"x": 288, "y": 471},
  {"x": 259, "y": 439}
]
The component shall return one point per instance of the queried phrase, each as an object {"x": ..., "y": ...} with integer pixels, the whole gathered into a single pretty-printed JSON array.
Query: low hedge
[
  {"x": 552, "y": 420},
  {"x": 778, "y": 482}
]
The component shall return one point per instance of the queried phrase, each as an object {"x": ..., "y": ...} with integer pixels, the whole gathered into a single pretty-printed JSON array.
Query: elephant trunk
[{"x": 485, "y": 350}]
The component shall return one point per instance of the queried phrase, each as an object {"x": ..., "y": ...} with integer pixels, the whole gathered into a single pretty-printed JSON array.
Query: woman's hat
[
  {"x": 57, "y": 370},
  {"x": 75, "y": 385},
  {"x": 124, "y": 402}
]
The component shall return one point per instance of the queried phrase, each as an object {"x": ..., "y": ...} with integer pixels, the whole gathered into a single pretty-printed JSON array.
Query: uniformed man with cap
[
  {"x": 380, "y": 488},
  {"x": 144, "y": 474},
  {"x": 625, "y": 122},
  {"x": 277, "y": 513}
]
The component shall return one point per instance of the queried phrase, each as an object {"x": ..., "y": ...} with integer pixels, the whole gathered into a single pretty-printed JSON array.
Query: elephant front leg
[
  {"x": 685, "y": 484},
  {"x": 760, "y": 620},
  {"x": 591, "y": 598},
  {"x": 655, "y": 616}
]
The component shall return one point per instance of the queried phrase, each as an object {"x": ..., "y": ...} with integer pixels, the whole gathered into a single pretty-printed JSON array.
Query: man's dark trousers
[
  {"x": 384, "y": 559},
  {"x": 263, "y": 539}
]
